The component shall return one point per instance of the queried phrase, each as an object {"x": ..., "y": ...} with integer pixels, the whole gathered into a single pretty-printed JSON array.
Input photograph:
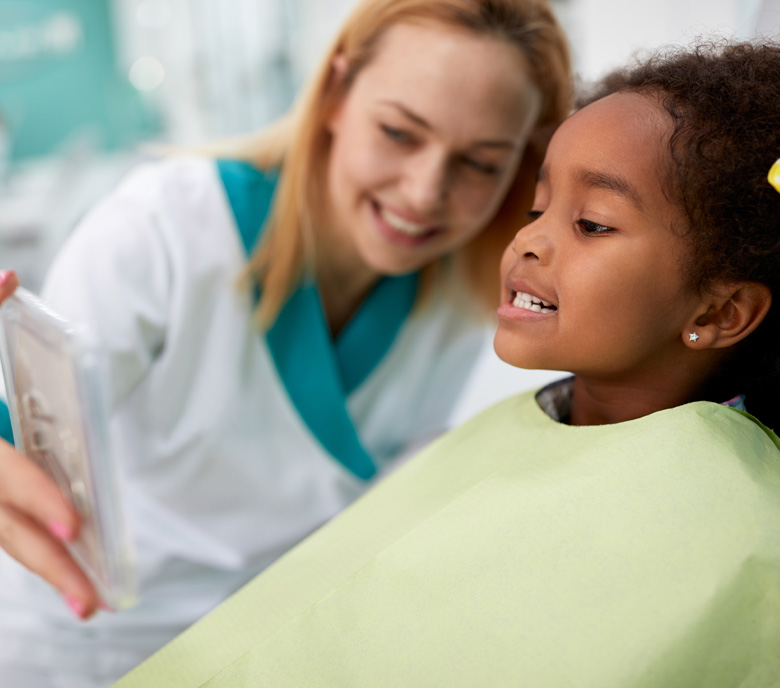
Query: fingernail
[
  {"x": 4, "y": 275},
  {"x": 78, "y": 607},
  {"x": 60, "y": 531}
]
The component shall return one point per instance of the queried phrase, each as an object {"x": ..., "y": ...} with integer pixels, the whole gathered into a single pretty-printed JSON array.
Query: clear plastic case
[{"x": 58, "y": 412}]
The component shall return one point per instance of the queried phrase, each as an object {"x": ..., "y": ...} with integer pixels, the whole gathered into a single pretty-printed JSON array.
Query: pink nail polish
[
  {"x": 4, "y": 274},
  {"x": 78, "y": 607},
  {"x": 60, "y": 531}
]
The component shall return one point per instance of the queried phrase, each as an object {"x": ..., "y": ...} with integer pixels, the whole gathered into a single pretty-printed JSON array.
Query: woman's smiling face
[
  {"x": 425, "y": 144},
  {"x": 600, "y": 260}
]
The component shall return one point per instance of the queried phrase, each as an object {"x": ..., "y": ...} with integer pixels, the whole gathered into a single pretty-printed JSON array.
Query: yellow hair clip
[{"x": 774, "y": 175}]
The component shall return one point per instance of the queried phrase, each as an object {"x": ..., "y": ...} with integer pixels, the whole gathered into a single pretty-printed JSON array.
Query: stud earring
[{"x": 693, "y": 336}]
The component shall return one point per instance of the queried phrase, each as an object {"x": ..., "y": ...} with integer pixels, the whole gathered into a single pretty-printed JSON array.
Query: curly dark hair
[{"x": 724, "y": 101}]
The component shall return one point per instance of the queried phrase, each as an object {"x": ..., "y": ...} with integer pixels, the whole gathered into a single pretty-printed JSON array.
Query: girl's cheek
[{"x": 507, "y": 260}]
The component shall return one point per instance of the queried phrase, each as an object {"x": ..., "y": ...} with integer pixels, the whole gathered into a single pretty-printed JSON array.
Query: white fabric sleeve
[{"x": 113, "y": 275}]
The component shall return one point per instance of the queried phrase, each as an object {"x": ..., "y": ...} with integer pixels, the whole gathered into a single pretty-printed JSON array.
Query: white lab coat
[{"x": 220, "y": 474}]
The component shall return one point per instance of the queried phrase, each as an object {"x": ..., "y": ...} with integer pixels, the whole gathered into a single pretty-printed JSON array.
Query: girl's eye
[
  {"x": 482, "y": 167},
  {"x": 397, "y": 135},
  {"x": 588, "y": 227},
  {"x": 534, "y": 215}
]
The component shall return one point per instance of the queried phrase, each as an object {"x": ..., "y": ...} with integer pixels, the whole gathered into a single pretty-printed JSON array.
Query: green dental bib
[{"x": 517, "y": 551}]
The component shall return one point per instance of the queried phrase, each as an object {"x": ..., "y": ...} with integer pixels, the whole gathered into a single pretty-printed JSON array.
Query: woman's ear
[
  {"x": 334, "y": 91},
  {"x": 339, "y": 67},
  {"x": 730, "y": 313}
]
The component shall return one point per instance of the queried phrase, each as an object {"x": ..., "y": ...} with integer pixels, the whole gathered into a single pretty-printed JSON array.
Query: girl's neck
[{"x": 601, "y": 401}]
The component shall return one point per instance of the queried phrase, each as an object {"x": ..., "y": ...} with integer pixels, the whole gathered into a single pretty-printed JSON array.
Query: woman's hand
[{"x": 36, "y": 519}]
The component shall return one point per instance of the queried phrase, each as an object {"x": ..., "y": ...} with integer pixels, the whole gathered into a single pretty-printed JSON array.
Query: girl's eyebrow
[
  {"x": 609, "y": 182},
  {"x": 499, "y": 143},
  {"x": 601, "y": 180}
]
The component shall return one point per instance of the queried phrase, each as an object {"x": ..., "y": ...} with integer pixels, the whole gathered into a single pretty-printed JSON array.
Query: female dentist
[{"x": 284, "y": 320}]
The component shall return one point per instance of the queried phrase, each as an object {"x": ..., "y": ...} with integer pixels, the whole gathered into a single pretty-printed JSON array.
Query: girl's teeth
[
  {"x": 402, "y": 225},
  {"x": 532, "y": 303}
]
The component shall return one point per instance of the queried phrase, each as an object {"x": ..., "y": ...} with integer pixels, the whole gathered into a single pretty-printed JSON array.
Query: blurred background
[{"x": 84, "y": 84}]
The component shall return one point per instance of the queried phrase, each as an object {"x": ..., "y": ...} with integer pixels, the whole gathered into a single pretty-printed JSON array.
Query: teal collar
[{"x": 318, "y": 372}]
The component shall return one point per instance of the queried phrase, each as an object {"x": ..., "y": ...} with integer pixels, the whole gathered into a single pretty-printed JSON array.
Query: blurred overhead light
[
  {"x": 63, "y": 33},
  {"x": 147, "y": 73}
]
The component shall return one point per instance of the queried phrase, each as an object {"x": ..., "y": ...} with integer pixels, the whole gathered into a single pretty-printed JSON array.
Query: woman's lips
[{"x": 400, "y": 229}]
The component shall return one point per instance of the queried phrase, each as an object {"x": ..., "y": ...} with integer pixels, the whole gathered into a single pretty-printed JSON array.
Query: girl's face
[
  {"x": 425, "y": 145},
  {"x": 600, "y": 257}
]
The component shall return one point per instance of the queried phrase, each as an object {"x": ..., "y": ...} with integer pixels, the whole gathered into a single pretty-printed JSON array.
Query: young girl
[
  {"x": 371, "y": 215},
  {"x": 617, "y": 530}
]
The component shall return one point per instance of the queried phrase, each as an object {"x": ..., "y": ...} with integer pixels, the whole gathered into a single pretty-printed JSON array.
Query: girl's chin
[{"x": 513, "y": 351}]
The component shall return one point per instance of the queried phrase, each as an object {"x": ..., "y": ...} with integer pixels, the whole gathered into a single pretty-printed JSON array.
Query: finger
[
  {"x": 26, "y": 488},
  {"x": 43, "y": 554},
  {"x": 8, "y": 283}
]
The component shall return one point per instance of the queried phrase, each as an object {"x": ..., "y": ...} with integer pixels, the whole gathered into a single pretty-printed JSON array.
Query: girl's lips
[
  {"x": 508, "y": 311},
  {"x": 532, "y": 303},
  {"x": 525, "y": 304},
  {"x": 399, "y": 229},
  {"x": 527, "y": 293}
]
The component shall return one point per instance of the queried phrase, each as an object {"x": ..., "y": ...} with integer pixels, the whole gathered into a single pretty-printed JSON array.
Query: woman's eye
[
  {"x": 588, "y": 227},
  {"x": 397, "y": 135},
  {"x": 534, "y": 215},
  {"x": 483, "y": 167}
]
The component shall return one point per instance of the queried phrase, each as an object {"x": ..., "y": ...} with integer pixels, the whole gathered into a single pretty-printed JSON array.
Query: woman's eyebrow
[
  {"x": 407, "y": 112},
  {"x": 609, "y": 182},
  {"x": 487, "y": 143}
]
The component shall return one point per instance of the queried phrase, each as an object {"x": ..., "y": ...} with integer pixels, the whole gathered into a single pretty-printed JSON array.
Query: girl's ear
[{"x": 732, "y": 312}]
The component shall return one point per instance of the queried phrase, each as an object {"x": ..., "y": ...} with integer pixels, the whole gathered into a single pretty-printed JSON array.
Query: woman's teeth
[
  {"x": 402, "y": 225},
  {"x": 532, "y": 303}
]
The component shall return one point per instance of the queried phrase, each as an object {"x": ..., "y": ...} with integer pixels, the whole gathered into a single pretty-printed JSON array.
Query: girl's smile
[
  {"x": 526, "y": 303},
  {"x": 595, "y": 284}
]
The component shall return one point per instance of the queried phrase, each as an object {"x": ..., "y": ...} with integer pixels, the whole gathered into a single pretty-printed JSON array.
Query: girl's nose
[
  {"x": 426, "y": 182},
  {"x": 533, "y": 241}
]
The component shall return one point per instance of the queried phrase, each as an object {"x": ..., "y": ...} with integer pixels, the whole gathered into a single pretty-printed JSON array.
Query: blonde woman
[{"x": 282, "y": 324}]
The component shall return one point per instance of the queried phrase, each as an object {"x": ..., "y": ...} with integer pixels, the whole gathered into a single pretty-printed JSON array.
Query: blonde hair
[{"x": 299, "y": 142}]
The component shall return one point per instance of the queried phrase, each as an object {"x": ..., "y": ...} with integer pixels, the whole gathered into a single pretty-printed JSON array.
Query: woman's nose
[{"x": 426, "y": 183}]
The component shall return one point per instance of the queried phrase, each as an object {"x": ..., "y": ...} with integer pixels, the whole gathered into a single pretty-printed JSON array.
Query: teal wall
[{"x": 58, "y": 77}]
